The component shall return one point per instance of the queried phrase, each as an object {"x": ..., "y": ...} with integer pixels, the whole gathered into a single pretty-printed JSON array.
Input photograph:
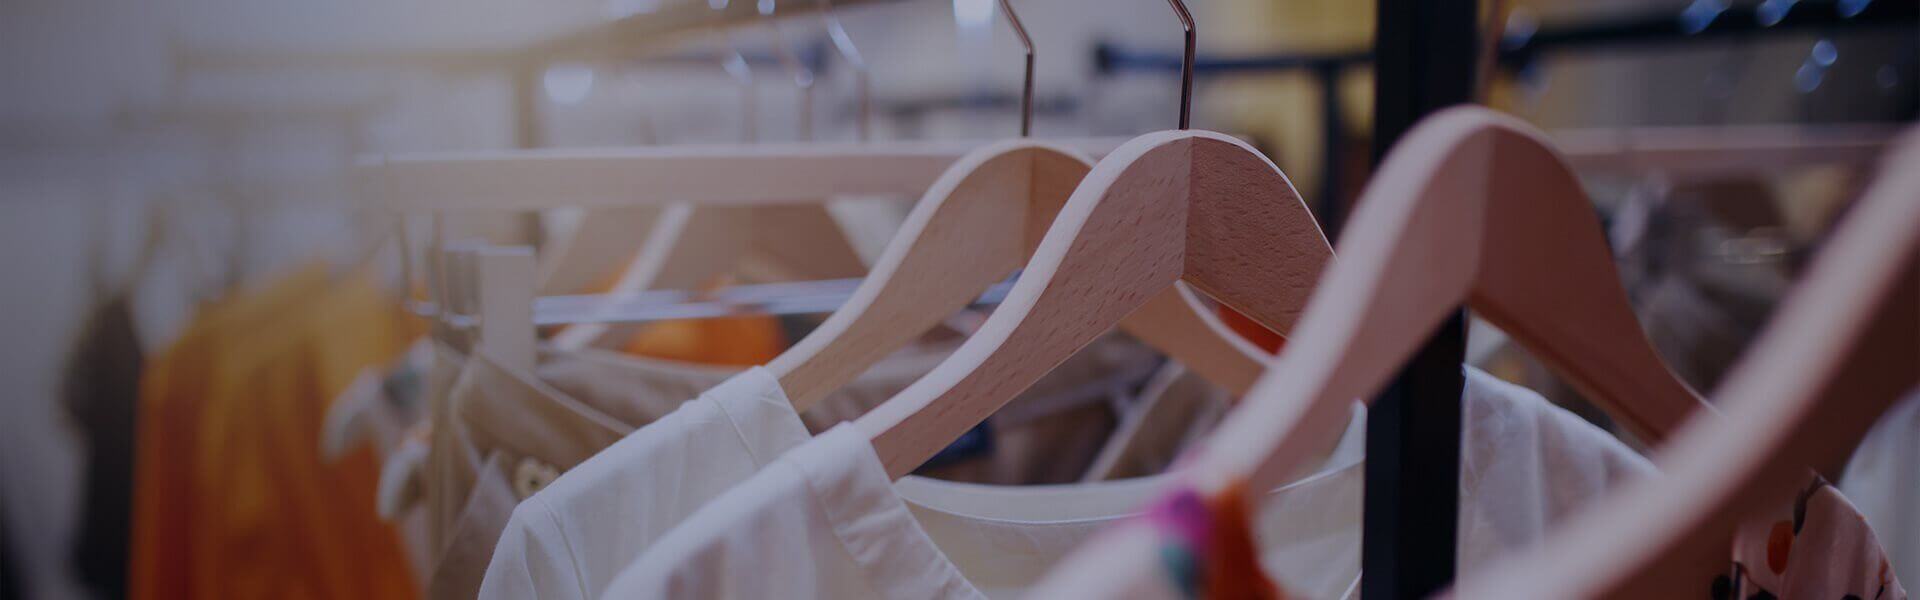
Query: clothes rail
[
  {"x": 626, "y": 37},
  {"x": 770, "y": 299},
  {"x": 1520, "y": 48},
  {"x": 761, "y": 175},
  {"x": 1723, "y": 149}
]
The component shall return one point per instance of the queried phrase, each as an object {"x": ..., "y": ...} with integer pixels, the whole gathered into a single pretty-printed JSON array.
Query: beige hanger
[
  {"x": 603, "y": 242},
  {"x": 505, "y": 282},
  {"x": 1844, "y": 347},
  {"x": 692, "y": 245},
  {"x": 1167, "y": 206},
  {"x": 979, "y": 222},
  {"x": 726, "y": 174},
  {"x": 1471, "y": 206},
  {"x": 974, "y": 227}
]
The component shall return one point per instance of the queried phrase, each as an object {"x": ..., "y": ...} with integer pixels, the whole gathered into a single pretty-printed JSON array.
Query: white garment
[
  {"x": 1883, "y": 481},
  {"x": 823, "y": 521},
  {"x": 642, "y": 485}
]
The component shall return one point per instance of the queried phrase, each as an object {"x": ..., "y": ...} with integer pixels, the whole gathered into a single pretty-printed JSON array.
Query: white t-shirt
[
  {"x": 1883, "y": 481},
  {"x": 823, "y": 521},
  {"x": 669, "y": 468}
]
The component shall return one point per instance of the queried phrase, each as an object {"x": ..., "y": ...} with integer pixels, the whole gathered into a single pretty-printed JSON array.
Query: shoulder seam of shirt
[{"x": 573, "y": 560}]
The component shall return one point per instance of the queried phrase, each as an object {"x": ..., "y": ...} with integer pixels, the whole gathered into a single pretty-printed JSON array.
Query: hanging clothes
[
  {"x": 531, "y": 428},
  {"x": 1883, "y": 480},
  {"x": 172, "y": 389},
  {"x": 232, "y": 496},
  {"x": 1511, "y": 495},
  {"x": 1818, "y": 547},
  {"x": 570, "y": 539},
  {"x": 824, "y": 522},
  {"x": 101, "y": 391},
  {"x": 11, "y": 587}
]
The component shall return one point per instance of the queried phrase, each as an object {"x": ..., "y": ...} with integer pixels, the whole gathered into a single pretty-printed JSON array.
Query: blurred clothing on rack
[
  {"x": 101, "y": 389},
  {"x": 232, "y": 497}
]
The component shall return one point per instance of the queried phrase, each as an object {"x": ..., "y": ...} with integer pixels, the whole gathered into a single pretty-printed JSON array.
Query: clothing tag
[{"x": 975, "y": 443}]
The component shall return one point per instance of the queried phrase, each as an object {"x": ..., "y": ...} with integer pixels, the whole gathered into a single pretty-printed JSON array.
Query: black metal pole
[
  {"x": 1333, "y": 151},
  {"x": 1424, "y": 59}
]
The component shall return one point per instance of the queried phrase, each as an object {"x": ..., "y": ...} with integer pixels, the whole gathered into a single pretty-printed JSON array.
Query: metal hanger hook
[
  {"x": 802, "y": 75},
  {"x": 1186, "y": 64},
  {"x": 1026, "y": 87},
  {"x": 736, "y": 66},
  {"x": 863, "y": 85}
]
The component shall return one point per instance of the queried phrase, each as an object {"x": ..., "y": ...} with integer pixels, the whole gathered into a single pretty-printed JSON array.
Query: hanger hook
[
  {"x": 737, "y": 67},
  {"x": 1026, "y": 87},
  {"x": 1186, "y": 65},
  {"x": 802, "y": 75},
  {"x": 862, "y": 82}
]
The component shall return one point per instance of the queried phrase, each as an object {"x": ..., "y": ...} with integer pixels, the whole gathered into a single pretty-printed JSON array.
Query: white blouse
[{"x": 823, "y": 521}]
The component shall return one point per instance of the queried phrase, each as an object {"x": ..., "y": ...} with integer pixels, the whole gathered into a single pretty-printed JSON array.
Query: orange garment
[
  {"x": 238, "y": 500},
  {"x": 731, "y": 341},
  {"x": 171, "y": 390}
]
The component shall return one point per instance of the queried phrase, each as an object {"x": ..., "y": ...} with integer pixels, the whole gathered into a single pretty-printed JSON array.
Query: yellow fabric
[{"x": 232, "y": 498}]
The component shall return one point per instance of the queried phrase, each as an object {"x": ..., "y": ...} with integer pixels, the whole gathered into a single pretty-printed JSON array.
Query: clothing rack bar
[
  {"x": 1425, "y": 60},
  {"x": 1722, "y": 149},
  {"x": 629, "y": 37},
  {"x": 768, "y": 299},
  {"x": 1520, "y": 48}
]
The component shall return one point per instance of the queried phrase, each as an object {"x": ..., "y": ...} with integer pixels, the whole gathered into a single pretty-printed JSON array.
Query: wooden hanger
[
  {"x": 1844, "y": 347},
  {"x": 1164, "y": 207},
  {"x": 974, "y": 227},
  {"x": 506, "y": 285},
  {"x": 978, "y": 223},
  {"x": 1174, "y": 205},
  {"x": 1472, "y": 206},
  {"x": 713, "y": 175},
  {"x": 692, "y": 245},
  {"x": 602, "y": 242}
]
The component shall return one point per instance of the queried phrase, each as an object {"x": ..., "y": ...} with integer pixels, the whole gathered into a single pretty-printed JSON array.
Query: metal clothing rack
[
  {"x": 650, "y": 34},
  {"x": 1521, "y": 48},
  {"x": 649, "y": 306},
  {"x": 1425, "y": 54}
]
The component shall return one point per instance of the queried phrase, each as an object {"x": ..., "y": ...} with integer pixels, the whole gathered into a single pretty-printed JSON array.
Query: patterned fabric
[
  {"x": 1207, "y": 547},
  {"x": 1820, "y": 549}
]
